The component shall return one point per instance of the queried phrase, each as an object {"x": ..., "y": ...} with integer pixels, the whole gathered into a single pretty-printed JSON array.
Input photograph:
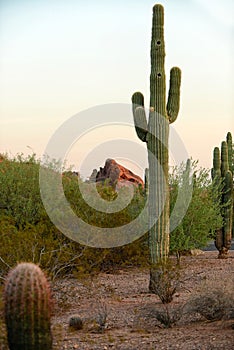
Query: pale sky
[{"x": 60, "y": 57}]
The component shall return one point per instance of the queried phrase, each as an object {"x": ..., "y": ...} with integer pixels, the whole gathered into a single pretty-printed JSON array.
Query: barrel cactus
[
  {"x": 75, "y": 322},
  {"x": 27, "y": 308},
  {"x": 155, "y": 133},
  {"x": 222, "y": 176}
]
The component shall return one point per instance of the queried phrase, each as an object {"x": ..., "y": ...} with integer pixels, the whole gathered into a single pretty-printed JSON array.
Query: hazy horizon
[{"x": 60, "y": 58}]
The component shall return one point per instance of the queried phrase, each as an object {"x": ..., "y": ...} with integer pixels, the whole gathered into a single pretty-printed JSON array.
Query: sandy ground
[{"x": 131, "y": 310}]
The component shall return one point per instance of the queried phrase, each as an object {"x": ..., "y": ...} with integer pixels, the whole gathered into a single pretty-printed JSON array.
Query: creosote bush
[
  {"x": 58, "y": 255},
  {"x": 166, "y": 279},
  {"x": 168, "y": 316},
  {"x": 27, "y": 234},
  {"x": 213, "y": 301}
]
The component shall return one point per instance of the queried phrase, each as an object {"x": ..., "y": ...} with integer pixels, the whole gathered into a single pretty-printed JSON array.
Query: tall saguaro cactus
[
  {"x": 155, "y": 133},
  {"x": 27, "y": 308},
  {"x": 222, "y": 175}
]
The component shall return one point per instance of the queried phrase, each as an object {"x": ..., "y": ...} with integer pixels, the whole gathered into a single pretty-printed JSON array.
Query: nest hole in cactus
[
  {"x": 158, "y": 42},
  {"x": 159, "y": 75}
]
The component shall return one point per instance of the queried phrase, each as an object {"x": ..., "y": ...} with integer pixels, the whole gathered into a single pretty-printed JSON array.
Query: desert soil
[{"x": 131, "y": 323}]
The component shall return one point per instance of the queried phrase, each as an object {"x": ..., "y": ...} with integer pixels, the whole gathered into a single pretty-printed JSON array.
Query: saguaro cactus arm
[
  {"x": 224, "y": 158},
  {"x": 146, "y": 182},
  {"x": 216, "y": 170},
  {"x": 173, "y": 104},
  {"x": 139, "y": 116},
  {"x": 230, "y": 152}
]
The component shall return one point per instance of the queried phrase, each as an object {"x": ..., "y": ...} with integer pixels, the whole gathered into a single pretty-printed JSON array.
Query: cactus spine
[
  {"x": 155, "y": 133},
  {"x": 27, "y": 308},
  {"x": 222, "y": 176}
]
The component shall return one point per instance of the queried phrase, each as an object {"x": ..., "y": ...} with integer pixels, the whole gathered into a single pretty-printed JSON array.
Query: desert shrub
[
  {"x": 101, "y": 316},
  {"x": 39, "y": 244},
  {"x": 58, "y": 255},
  {"x": 100, "y": 218},
  {"x": 213, "y": 300},
  {"x": 168, "y": 315},
  {"x": 21, "y": 199},
  {"x": 27, "y": 234},
  {"x": 20, "y": 194},
  {"x": 165, "y": 281},
  {"x": 202, "y": 217}
]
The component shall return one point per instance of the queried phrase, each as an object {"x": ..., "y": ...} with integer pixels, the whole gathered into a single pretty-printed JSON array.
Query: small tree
[
  {"x": 203, "y": 216},
  {"x": 19, "y": 190}
]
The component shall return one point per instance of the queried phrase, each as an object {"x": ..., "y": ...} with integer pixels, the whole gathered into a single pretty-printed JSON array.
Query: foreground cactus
[
  {"x": 155, "y": 133},
  {"x": 223, "y": 177},
  {"x": 27, "y": 308}
]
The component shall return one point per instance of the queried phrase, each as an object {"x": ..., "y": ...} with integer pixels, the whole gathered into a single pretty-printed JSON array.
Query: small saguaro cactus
[
  {"x": 223, "y": 177},
  {"x": 155, "y": 133},
  {"x": 27, "y": 308}
]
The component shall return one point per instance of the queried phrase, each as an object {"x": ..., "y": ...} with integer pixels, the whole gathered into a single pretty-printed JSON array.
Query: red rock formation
[{"x": 117, "y": 175}]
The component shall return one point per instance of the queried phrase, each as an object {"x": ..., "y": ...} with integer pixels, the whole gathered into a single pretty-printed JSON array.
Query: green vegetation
[
  {"x": 203, "y": 215},
  {"x": 20, "y": 194},
  {"x": 28, "y": 235}
]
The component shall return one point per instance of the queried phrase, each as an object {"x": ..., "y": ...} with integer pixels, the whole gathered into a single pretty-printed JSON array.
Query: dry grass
[{"x": 213, "y": 299}]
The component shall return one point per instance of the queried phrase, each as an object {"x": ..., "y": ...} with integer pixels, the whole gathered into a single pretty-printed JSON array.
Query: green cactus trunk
[
  {"x": 156, "y": 133},
  {"x": 230, "y": 148},
  {"x": 227, "y": 214},
  {"x": 230, "y": 152},
  {"x": 223, "y": 177},
  {"x": 27, "y": 308}
]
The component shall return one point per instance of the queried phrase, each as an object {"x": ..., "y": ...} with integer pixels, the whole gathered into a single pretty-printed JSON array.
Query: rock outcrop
[{"x": 117, "y": 175}]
